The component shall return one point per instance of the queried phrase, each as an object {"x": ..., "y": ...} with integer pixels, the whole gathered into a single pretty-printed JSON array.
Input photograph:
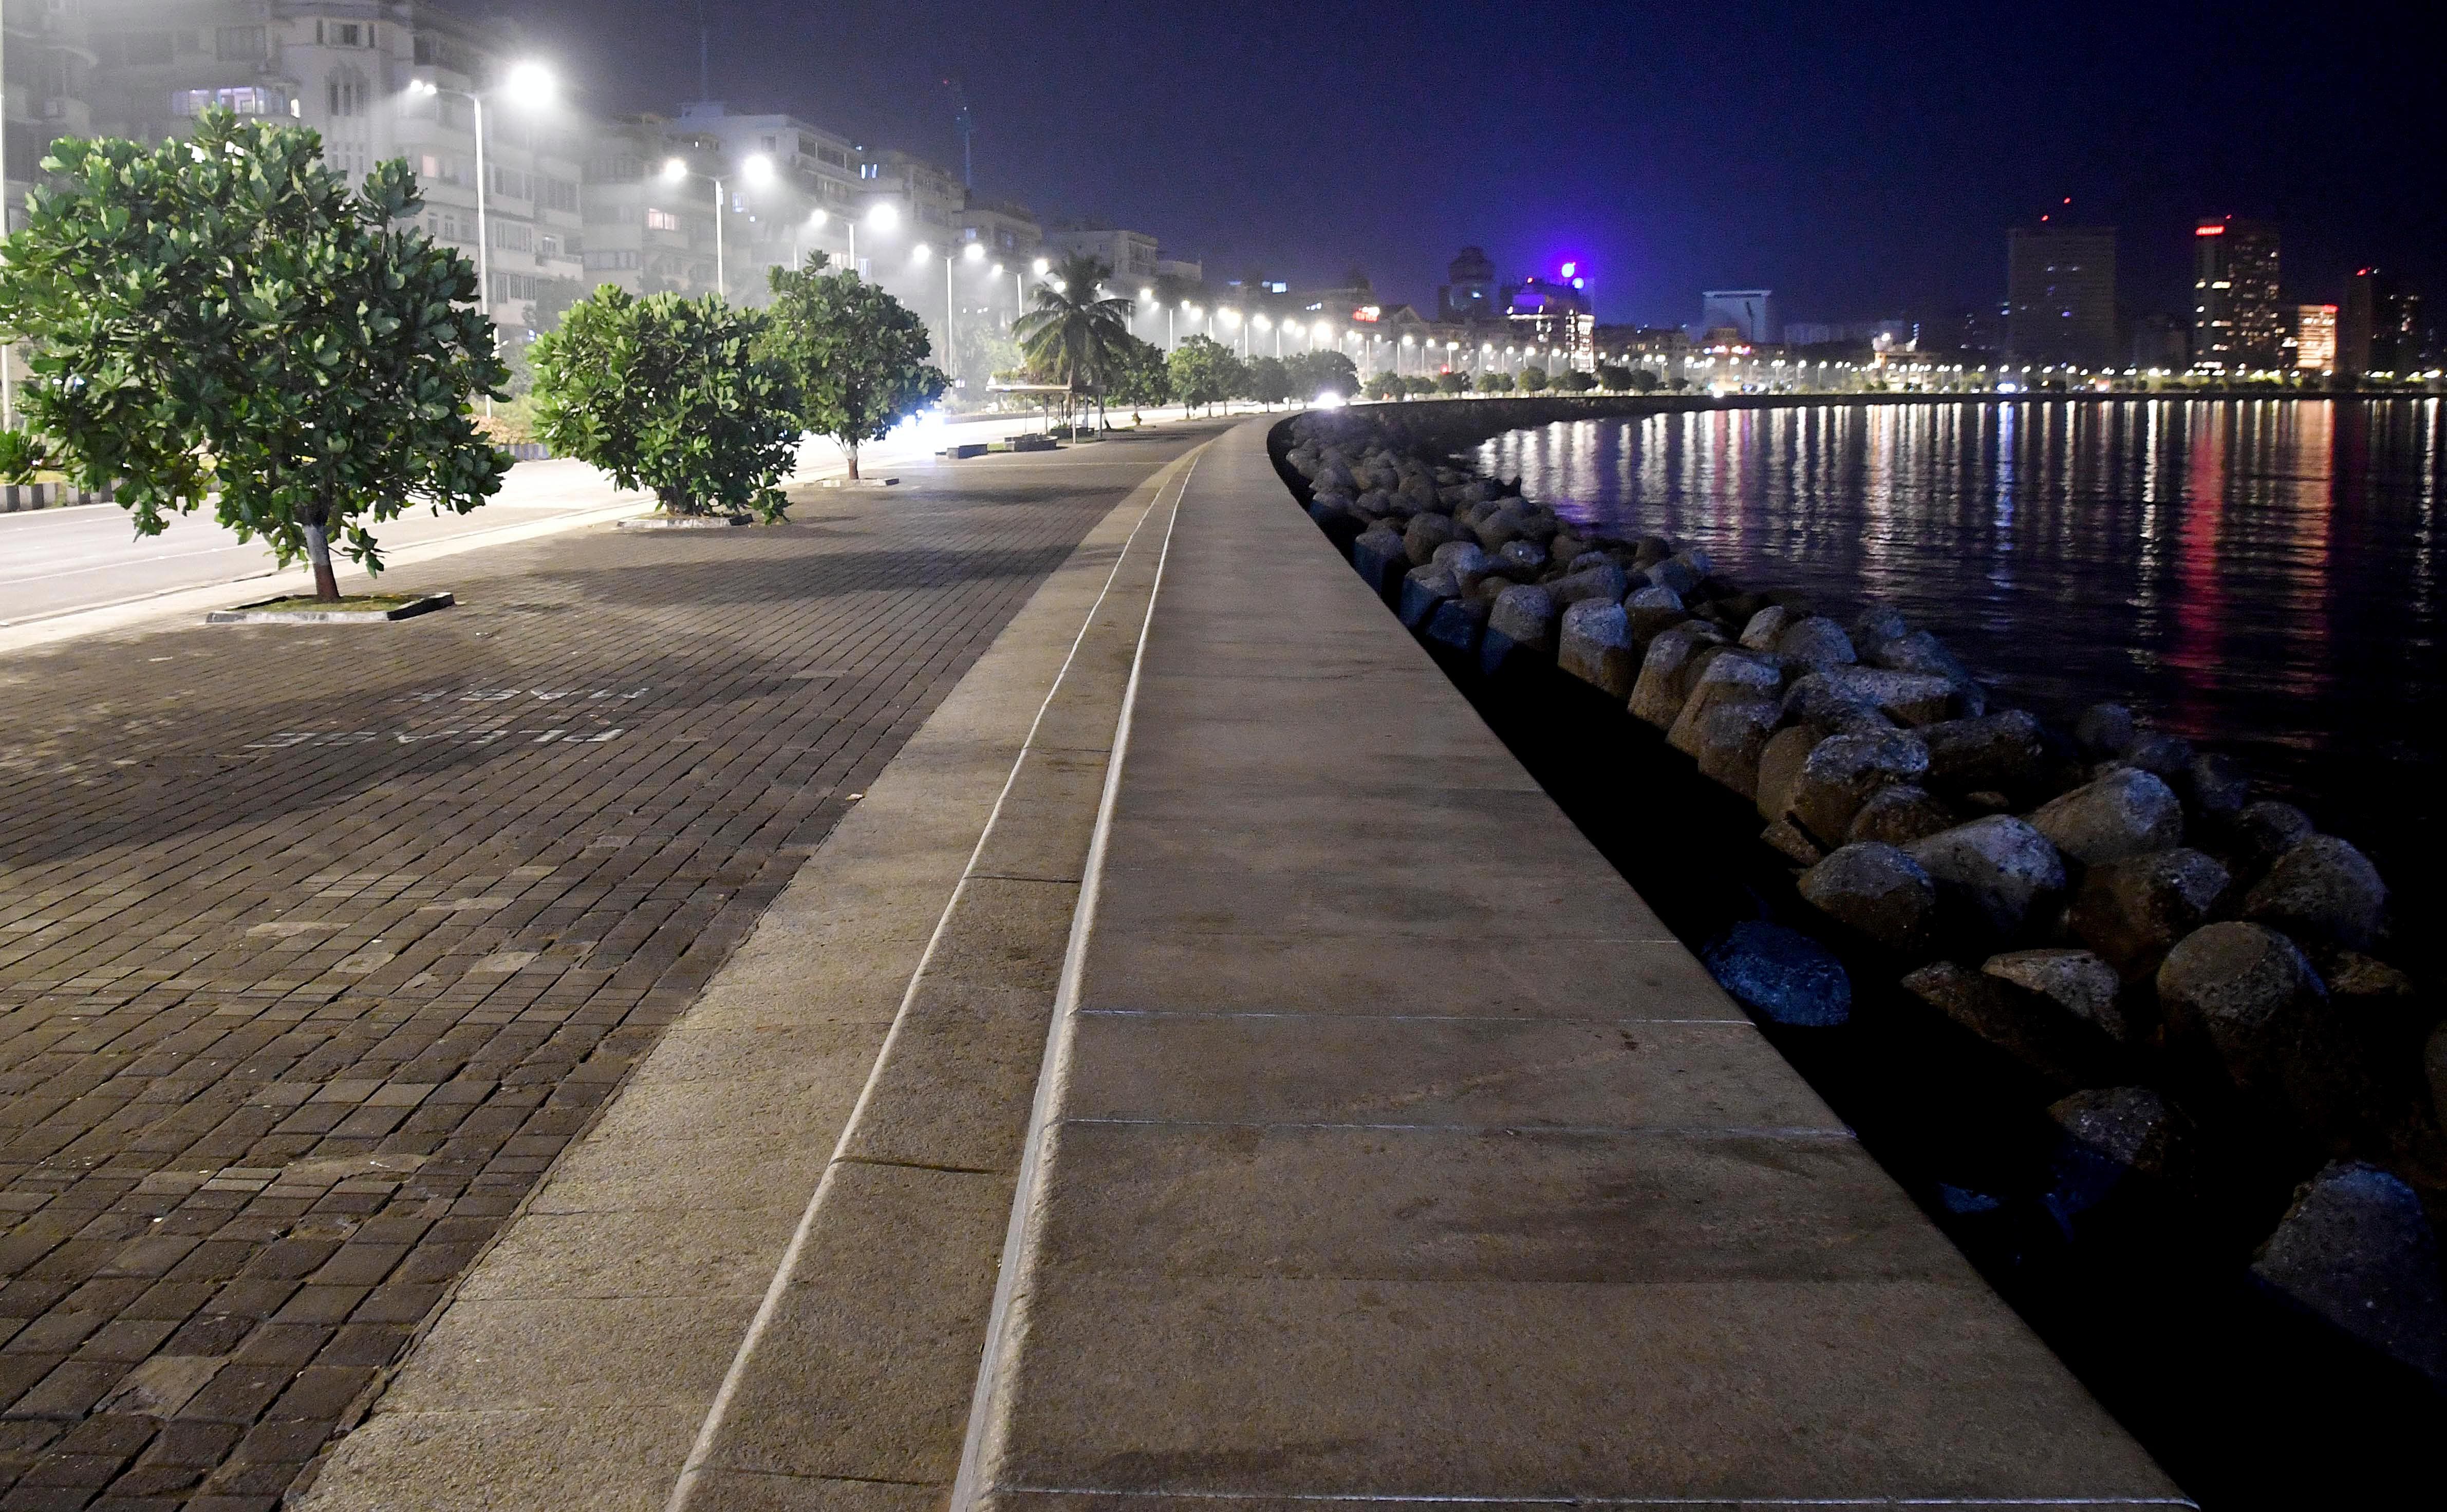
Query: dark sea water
[{"x": 2260, "y": 576}]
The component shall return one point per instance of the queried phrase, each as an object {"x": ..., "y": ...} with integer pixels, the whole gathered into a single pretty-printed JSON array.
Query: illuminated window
[
  {"x": 661, "y": 220},
  {"x": 245, "y": 101}
]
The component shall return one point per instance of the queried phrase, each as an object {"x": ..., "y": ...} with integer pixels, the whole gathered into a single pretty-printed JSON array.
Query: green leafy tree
[
  {"x": 1384, "y": 386},
  {"x": 980, "y": 349},
  {"x": 1140, "y": 376},
  {"x": 1531, "y": 380},
  {"x": 1452, "y": 383},
  {"x": 1270, "y": 381},
  {"x": 1644, "y": 382},
  {"x": 22, "y": 455},
  {"x": 1495, "y": 382},
  {"x": 222, "y": 318},
  {"x": 1076, "y": 332},
  {"x": 1613, "y": 379},
  {"x": 1322, "y": 373},
  {"x": 668, "y": 393},
  {"x": 1577, "y": 382},
  {"x": 1205, "y": 373},
  {"x": 853, "y": 356}
]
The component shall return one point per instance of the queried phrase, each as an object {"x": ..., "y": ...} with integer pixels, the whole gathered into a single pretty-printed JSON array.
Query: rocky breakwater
[{"x": 2195, "y": 974}]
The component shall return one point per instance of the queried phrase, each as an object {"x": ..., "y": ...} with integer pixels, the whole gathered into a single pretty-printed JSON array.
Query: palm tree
[{"x": 1076, "y": 334}]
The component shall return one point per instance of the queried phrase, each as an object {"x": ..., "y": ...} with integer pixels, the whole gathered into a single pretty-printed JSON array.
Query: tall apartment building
[
  {"x": 2060, "y": 295},
  {"x": 790, "y": 189},
  {"x": 1013, "y": 240},
  {"x": 2315, "y": 338},
  {"x": 1132, "y": 255},
  {"x": 2240, "y": 322},
  {"x": 2380, "y": 328},
  {"x": 646, "y": 232},
  {"x": 345, "y": 67},
  {"x": 49, "y": 59}
]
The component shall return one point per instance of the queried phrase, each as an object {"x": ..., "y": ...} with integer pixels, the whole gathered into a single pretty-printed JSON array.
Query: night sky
[{"x": 1862, "y": 161}]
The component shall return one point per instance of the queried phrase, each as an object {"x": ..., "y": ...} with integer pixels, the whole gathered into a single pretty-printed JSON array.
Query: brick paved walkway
[{"x": 317, "y": 946}]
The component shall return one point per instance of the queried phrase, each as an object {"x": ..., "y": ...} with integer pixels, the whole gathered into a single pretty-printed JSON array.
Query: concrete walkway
[{"x": 1392, "y": 1151}]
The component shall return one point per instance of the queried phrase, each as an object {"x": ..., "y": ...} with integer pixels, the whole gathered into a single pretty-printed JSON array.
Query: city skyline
[{"x": 1863, "y": 168}]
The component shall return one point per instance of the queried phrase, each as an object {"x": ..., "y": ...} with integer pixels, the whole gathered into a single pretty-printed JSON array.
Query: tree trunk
[
  {"x": 853, "y": 449},
  {"x": 318, "y": 551}
]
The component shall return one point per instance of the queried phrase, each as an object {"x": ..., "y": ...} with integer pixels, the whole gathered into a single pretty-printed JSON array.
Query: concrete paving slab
[
  {"x": 744, "y": 1492},
  {"x": 1265, "y": 1069},
  {"x": 523, "y": 1352},
  {"x": 740, "y": 1174},
  {"x": 1465, "y": 1204},
  {"x": 508, "y": 1461},
  {"x": 1225, "y": 1387},
  {"x": 862, "y": 1374},
  {"x": 604, "y": 1256},
  {"x": 943, "y": 1095},
  {"x": 1390, "y": 975},
  {"x": 1044, "y": 832}
]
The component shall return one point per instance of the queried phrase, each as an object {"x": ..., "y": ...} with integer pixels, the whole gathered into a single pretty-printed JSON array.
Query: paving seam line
[
  {"x": 709, "y": 1434},
  {"x": 965, "y": 1487}
]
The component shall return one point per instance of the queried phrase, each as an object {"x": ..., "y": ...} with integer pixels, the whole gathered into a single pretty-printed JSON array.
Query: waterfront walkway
[
  {"x": 1200, "y": 1065},
  {"x": 1396, "y": 1152}
]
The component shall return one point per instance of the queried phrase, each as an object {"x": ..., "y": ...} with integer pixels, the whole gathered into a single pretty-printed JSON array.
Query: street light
[
  {"x": 757, "y": 170},
  {"x": 530, "y": 84}
]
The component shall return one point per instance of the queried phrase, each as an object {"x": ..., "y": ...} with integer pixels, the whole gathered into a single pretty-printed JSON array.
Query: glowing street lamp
[
  {"x": 527, "y": 85},
  {"x": 757, "y": 170}
]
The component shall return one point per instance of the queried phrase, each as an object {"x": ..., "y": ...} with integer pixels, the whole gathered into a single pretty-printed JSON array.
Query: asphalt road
[{"x": 60, "y": 562}]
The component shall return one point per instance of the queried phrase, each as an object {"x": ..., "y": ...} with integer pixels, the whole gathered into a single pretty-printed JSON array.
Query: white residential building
[{"x": 349, "y": 68}]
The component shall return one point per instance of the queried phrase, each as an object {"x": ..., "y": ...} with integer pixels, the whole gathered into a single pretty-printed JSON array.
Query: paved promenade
[
  {"x": 317, "y": 947},
  {"x": 1026, "y": 991}
]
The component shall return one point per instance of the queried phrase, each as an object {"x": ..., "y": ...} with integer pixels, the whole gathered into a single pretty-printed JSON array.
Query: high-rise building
[
  {"x": 48, "y": 59},
  {"x": 1750, "y": 311},
  {"x": 379, "y": 79},
  {"x": 1468, "y": 292},
  {"x": 2240, "y": 322},
  {"x": 2060, "y": 295},
  {"x": 646, "y": 232},
  {"x": 2315, "y": 338},
  {"x": 1132, "y": 255},
  {"x": 790, "y": 189},
  {"x": 2380, "y": 328}
]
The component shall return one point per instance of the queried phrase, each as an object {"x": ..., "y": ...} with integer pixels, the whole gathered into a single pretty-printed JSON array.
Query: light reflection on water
[{"x": 2259, "y": 575}]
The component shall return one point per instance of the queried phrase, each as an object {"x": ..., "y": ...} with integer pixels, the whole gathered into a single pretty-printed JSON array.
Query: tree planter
[
  {"x": 294, "y": 612},
  {"x": 682, "y": 522},
  {"x": 862, "y": 482}
]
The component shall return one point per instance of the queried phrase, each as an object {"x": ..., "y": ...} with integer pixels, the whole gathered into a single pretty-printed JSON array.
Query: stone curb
[{"x": 256, "y": 613}]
